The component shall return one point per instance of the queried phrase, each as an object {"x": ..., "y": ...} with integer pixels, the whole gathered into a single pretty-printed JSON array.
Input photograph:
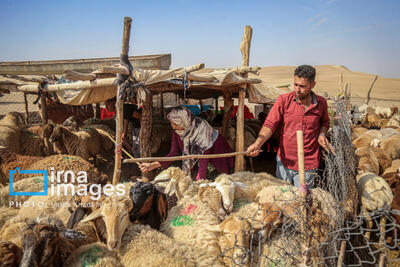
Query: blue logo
[{"x": 42, "y": 172}]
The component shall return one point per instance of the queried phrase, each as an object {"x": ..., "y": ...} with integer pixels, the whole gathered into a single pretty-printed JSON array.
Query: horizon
[{"x": 358, "y": 34}]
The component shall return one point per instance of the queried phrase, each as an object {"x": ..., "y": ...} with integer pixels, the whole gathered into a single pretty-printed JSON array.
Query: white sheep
[
  {"x": 384, "y": 112},
  {"x": 375, "y": 194},
  {"x": 187, "y": 223},
  {"x": 394, "y": 121},
  {"x": 140, "y": 243},
  {"x": 10, "y": 131},
  {"x": 95, "y": 254}
]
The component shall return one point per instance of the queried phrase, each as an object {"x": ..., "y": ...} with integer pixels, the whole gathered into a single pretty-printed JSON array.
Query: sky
[{"x": 362, "y": 35}]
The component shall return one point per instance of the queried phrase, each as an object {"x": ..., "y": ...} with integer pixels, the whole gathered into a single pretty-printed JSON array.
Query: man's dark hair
[{"x": 305, "y": 71}]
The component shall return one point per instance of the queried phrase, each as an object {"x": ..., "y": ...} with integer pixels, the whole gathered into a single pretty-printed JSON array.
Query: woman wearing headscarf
[{"x": 190, "y": 136}]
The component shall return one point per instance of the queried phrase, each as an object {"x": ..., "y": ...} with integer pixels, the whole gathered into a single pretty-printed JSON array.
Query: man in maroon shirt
[{"x": 299, "y": 110}]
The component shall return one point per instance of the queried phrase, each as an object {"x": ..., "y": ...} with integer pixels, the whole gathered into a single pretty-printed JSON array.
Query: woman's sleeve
[
  {"x": 203, "y": 167},
  {"x": 174, "y": 150}
]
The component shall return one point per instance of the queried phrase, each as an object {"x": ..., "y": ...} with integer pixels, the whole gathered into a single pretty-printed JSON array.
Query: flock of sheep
[{"x": 237, "y": 220}]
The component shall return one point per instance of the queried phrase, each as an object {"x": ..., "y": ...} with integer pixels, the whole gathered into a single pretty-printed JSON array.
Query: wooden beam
[
  {"x": 78, "y": 76},
  {"x": 43, "y": 109},
  {"x": 162, "y": 62},
  {"x": 109, "y": 82},
  {"x": 245, "y": 50},
  {"x": 120, "y": 105},
  {"x": 113, "y": 69},
  {"x": 228, "y": 107},
  {"x": 145, "y": 131}
]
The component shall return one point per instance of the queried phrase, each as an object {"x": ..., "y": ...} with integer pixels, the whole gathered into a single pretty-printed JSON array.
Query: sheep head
[
  {"x": 58, "y": 134},
  {"x": 115, "y": 213},
  {"x": 179, "y": 181},
  {"x": 213, "y": 198},
  {"x": 74, "y": 122},
  {"x": 235, "y": 239},
  {"x": 226, "y": 185},
  {"x": 45, "y": 242},
  {"x": 48, "y": 130},
  {"x": 141, "y": 195}
]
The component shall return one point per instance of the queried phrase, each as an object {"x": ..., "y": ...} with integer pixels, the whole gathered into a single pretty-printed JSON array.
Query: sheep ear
[
  {"x": 92, "y": 216},
  {"x": 162, "y": 206},
  {"x": 214, "y": 228},
  {"x": 239, "y": 184},
  {"x": 170, "y": 189},
  {"x": 212, "y": 184},
  {"x": 72, "y": 234},
  {"x": 76, "y": 216}
]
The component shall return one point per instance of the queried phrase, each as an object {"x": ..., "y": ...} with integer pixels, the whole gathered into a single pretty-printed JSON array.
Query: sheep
[
  {"x": 373, "y": 159},
  {"x": 149, "y": 205},
  {"x": 187, "y": 223},
  {"x": 140, "y": 243},
  {"x": 6, "y": 214},
  {"x": 56, "y": 147},
  {"x": 357, "y": 131},
  {"x": 115, "y": 213},
  {"x": 9, "y": 160},
  {"x": 392, "y": 146},
  {"x": 10, "y": 254},
  {"x": 95, "y": 254},
  {"x": 375, "y": 194},
  {"x": 11, "y": 230},
  {"x": 10, "y": 131},
  {"x": 46, "y": 242},
  {"x": 366, "y": 138},
  {"x": 85, "y": 143},
  {"x": 31, "y": 144},
  {"x": 384, "y": 112},
  {"x": 394, "y": 121},
  {"x": 33, "y": 184},
  {"x": 61, "y": 163}
]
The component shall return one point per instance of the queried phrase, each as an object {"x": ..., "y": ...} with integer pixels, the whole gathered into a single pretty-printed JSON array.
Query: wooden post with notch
[
  {"x": 245, "y": 50},
  {"x": 120, "y": 105}
]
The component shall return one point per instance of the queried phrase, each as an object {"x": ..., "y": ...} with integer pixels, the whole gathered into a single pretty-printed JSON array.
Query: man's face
[{"x": 302, "y": 87}]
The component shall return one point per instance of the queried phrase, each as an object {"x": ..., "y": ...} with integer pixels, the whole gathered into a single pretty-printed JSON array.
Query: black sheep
[{"x": 149, "y": 205}]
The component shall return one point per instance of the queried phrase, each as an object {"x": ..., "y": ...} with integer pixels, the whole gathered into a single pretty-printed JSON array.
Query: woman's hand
[{"x": 146, "y": 167}]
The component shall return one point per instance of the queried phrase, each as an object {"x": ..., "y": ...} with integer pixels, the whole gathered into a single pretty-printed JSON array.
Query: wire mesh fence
[{"x": 326, "y": 229}]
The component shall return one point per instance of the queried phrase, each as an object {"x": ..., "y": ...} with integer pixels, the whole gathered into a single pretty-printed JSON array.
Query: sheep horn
[{"x": 160, "y": 181}]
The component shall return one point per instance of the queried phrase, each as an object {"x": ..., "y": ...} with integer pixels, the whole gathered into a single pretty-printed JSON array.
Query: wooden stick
[
  {"x": 382, "y": 260},
  {"x": 115, "y": 143},
  {"x": 76, "y": 76},
  {"x": 370, "y": 89},
  {"x": 113, "y": 69},
  {"x": 146, "y": 129},
  {"x": 43, "y": 108},
  {"x": 26, "y": 108},
  {"x": 120, "y": 104},
  {"x": 228, "y": 107},
  {"x": 208, "y": 156},
  {"x": 341, "y": 253}
]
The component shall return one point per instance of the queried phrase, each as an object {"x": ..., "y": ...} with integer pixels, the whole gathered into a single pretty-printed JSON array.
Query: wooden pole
[
  {"x": 370, "y": 89},
  {"x": 109, "y": 82},
  {"x": 97, "y": 111},
  {"x": 303, "y": 191},
  {"x": 145, "y": 131},
  {"x": 120, "y": 105},
  {"x": 382, "y": 260},
  {"x": 228, "y": 107},
  {"x": 197, "y": 156},
  {"x": 76, "y": 76},
  {"x": 216, "y": 105},
  {"x": 245, "y": 50},
  {"x": 162, "y": 105},
  {"x": 26, "y": 108},
  {"x": 341, "y": 253},
  {"x": 43, "y": 109},
  {"x": 114, "y": 69}
]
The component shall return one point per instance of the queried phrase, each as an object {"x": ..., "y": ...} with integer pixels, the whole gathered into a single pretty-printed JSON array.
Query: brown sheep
[
  {"x": 46, "y": 242},
  {"x": 58, "y": 146},
  {"x": 357, "y": 131},
  {"x": 392, "y": 146},
  {"x": 85, "y": 143},
  {"x": 371, "y": 156},
  {"x": 366, "y": 138},
  {"x": 10, "y": 254}
]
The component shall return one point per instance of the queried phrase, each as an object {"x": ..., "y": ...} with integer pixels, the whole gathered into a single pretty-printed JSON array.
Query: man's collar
[{"x": 313, "y": 100}]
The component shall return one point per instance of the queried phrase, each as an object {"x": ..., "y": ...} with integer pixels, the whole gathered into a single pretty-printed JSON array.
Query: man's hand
[
  {"x": 146, "y": 167},
  {"x": 323, "y": 141},
  {"x": 253, "y": 150}
]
